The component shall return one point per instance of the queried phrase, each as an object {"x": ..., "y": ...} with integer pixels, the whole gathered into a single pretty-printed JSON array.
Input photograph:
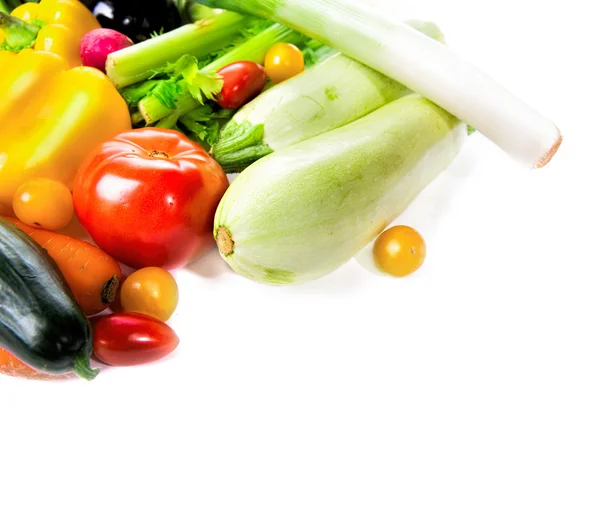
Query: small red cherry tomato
[
  {"x": 129, "y": 339},
  {"x": 242, "y": 81}
]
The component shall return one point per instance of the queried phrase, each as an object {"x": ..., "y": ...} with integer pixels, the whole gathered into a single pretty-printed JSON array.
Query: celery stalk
[
  {"x": 137, "y": 63},
  {"x": 253, "y": 49},
  {"x": 153, "y": 110},
  {"x": 424, "y": 66}
]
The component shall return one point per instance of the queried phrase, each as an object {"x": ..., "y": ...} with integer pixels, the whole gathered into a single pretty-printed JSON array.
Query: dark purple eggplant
[{"x": 138, "y": 19}]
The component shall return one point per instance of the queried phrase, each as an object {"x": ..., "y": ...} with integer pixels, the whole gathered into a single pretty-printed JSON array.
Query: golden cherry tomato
[
  {"x": 45, "y": 203},
  {"x": 283, "y": 61},
  {"x": 399, "y": 251},
  {"x": 151, "y": 291},
  {"x": 60, "y": 40},
  {"x": 27, "y": 12}
]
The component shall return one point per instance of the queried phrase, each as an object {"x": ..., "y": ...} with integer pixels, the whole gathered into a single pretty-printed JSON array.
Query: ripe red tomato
[
  {"x": 129, "y": 339},
  {"x": 242, "y": 81},
  {"x": 148, "y": 198}
]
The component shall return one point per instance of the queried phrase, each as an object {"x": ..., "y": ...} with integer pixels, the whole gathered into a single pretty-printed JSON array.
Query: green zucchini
[
  {"x": 300, "y": 213},
  {"x": 40, "y": 321}
]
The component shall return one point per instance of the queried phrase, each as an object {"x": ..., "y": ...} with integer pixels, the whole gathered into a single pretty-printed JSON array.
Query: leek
[
  {"x": 423, "y": 65},
  {"x": 330, "y": 95},
  {"x": 138, "y": 62},
  {"x": 302, "y": 212}
]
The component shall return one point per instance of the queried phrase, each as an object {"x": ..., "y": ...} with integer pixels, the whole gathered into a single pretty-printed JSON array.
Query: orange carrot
[
  {"x": 13, "y": 367},
  {"x": 93, "y": 276}
]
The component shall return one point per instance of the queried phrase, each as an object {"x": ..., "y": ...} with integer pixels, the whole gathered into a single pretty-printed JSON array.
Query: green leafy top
[
  {"x": 169, "y": 83},
  {"x": 204, "y": 124},
  {"x": 184, "y": 76},
  {"x": 155, "y": 34}
]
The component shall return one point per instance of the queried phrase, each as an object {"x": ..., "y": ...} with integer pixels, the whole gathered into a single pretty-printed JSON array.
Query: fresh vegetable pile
[{"x": 126, "y": 117}]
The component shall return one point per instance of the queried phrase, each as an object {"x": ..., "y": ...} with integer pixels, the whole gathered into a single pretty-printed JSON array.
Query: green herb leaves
[
  {"x": 204, "y": 124},
  {"x": 184, "y": 77}
]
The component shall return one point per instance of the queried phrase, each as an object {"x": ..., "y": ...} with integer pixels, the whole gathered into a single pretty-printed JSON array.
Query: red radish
[
  {"x": 96, "y": 45},
  {"x": 242, "y": 81}
]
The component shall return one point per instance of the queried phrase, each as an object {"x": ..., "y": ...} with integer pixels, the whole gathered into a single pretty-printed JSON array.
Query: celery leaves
[
  {"x": 204, "y": 124},
  {"x": 182, "y": 77}
]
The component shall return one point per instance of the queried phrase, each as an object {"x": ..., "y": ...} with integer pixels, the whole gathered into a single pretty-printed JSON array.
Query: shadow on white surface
[{"x": 210, "y": 265}]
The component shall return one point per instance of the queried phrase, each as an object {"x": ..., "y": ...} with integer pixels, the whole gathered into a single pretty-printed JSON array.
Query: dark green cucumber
[{"x": 40, "y": 320}]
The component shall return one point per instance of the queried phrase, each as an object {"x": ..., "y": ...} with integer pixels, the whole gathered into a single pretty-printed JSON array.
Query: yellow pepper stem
[{"x": 18, "y": 35}]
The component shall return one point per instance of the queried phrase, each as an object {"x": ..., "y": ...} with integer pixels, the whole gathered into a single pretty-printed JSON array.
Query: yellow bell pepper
[
  {"x": 64, "y": 24},
  {"x": 52, "y": 117}
]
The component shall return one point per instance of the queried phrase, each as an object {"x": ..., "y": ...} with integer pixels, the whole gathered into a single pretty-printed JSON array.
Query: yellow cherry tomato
[
  {"x": 283, "y": 61},
  {"x": 151, "y": 291},
  {"x": 60, "y": 40},
  {"x": 45, "y": 203},
  {"x": 27, "y": 12},
  {"x": 399, "y": 251}
]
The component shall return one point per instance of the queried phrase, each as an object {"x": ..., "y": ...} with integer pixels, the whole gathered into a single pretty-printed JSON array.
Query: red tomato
[
  {"x": 129, "y": 339},
  {"x": 242, "y": 81},
  {"x": 148, "y": 197}
]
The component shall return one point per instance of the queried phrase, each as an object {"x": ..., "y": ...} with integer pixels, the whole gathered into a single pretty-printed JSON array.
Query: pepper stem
[
  {"x": 18, "y": 34},
  {"x": 83, "y": 369}
]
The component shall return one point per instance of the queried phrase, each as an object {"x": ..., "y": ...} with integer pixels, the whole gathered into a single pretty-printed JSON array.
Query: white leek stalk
[{"x": 422, "y": 64}]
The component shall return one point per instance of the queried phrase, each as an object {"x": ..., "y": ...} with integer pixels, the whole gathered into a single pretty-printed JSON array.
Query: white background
[{"x": 467, "y": 393}]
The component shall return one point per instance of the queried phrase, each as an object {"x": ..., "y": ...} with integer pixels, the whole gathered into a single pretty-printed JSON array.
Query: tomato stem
[
  {"x": 110, "y": 290},
  {"x": 159, "y": 154}
]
